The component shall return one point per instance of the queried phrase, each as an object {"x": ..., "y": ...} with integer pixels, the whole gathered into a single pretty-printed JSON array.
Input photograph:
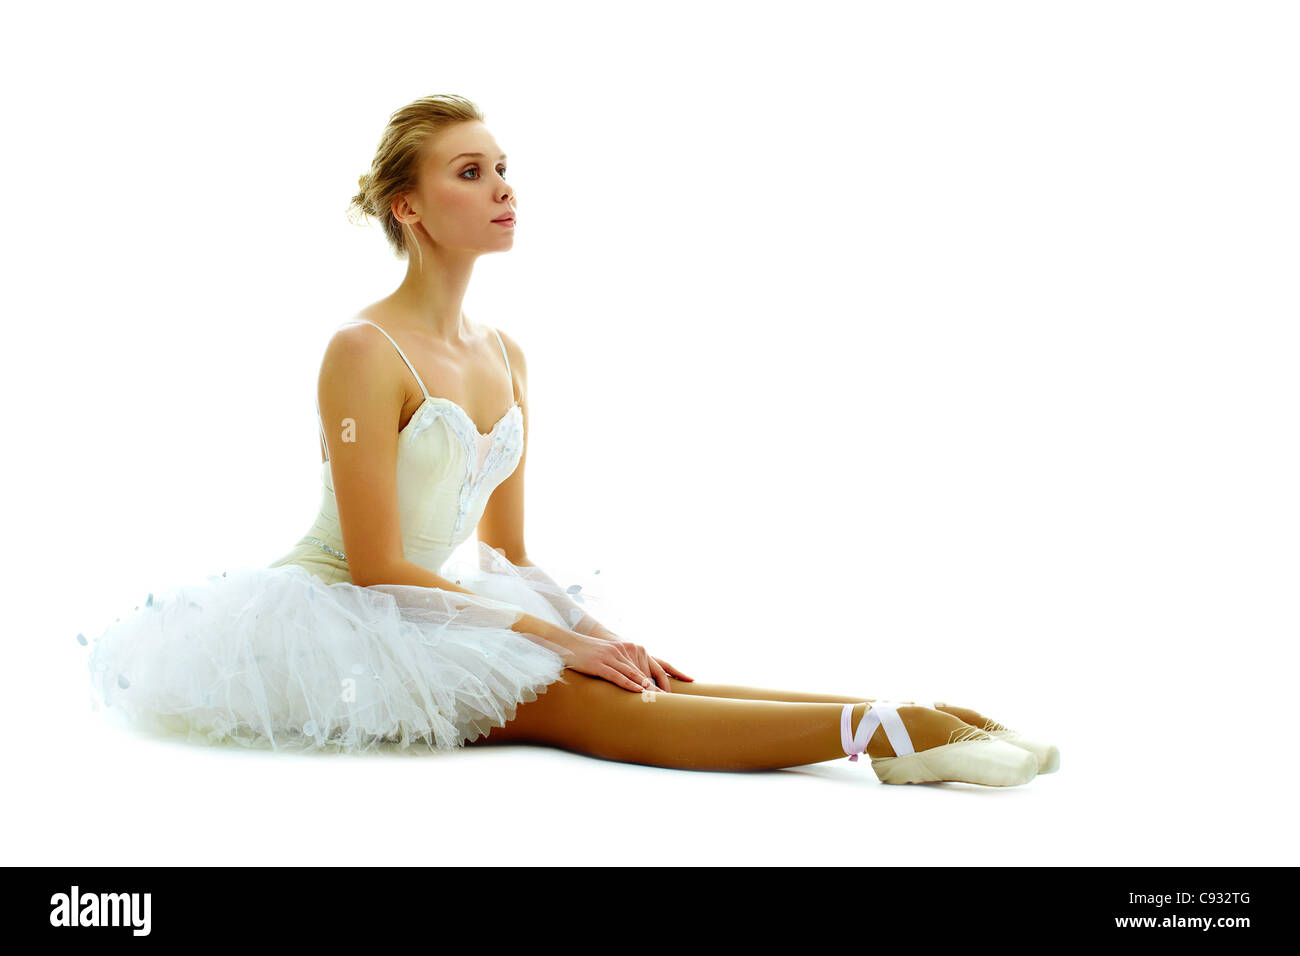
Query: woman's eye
[{"x": 502, "y": 170}]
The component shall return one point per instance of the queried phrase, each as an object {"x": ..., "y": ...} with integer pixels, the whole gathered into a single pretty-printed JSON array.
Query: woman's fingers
[
  {"x": 619, "y": 679},
  {"x": 660, "y": 677},
  {"x": 647, "y": 671},
  {"x": 629, "y": 667},
  {"x": 643, "y": 664},
  {"x": 673, "y": 670},
  {"x": 635, "y": 671}
]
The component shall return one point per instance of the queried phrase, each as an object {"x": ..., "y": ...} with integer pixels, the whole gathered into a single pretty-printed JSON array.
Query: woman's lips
[{"x": 510, "y": 221}]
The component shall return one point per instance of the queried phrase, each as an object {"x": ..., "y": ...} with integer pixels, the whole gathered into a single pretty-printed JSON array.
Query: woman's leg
[
  {"x": 693, "y": 732},
  {"x": 738, "y": 692}
]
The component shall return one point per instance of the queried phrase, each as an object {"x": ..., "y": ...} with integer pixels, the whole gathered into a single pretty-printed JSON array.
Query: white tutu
[{"x": 275, "y": 657}]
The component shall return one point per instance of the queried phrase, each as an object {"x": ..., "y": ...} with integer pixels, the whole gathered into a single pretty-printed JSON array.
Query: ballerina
[{"x": 368, "y": 632}]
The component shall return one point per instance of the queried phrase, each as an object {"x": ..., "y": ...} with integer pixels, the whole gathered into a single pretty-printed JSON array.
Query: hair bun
[{"x": 362, "y": 198}]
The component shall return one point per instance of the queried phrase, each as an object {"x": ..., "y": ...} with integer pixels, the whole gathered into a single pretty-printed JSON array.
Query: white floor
[{"x": 84, "y": 793}]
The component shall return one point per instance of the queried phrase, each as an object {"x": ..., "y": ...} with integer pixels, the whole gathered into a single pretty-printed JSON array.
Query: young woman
[{"x": 367, "y": 632}]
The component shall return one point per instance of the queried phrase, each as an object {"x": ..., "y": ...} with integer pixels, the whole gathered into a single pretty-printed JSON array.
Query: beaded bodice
[{"x": 446, "y": 472}]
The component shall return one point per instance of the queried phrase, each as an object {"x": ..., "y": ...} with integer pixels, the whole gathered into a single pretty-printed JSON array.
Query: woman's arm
[
  {"x": 361, "y": 396},
  {"x": 579, "y": 619},
  {"x": 502, "y": 525},
  {"x": 408, "y": 573}
]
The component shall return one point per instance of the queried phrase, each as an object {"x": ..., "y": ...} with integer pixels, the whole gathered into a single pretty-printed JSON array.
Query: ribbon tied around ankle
[{"x": 855, "y": 744}]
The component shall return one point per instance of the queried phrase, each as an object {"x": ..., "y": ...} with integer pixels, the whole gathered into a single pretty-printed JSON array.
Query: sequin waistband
[{"x": 325, "y": 547}]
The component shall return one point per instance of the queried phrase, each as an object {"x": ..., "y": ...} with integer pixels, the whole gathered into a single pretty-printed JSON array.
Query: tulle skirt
[{"x": 277, "y": 658}]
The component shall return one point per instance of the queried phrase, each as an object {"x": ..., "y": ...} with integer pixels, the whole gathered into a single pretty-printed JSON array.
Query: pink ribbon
[{"x": 856, "y": 744}]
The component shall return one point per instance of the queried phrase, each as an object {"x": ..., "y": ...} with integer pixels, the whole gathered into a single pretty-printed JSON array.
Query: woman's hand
[
  {"x": 656, "y": 667},
  {"x": 620, "y": 662}
]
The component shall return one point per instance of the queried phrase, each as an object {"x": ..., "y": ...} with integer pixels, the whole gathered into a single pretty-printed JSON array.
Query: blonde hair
[{"x": 396, "y": 166}]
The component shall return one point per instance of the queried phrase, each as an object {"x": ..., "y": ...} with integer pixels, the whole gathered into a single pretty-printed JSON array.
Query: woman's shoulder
[
  {"x": 357, "y": 341},
  {"x": 361, "y": 326},
  {"x": 368, "y": 328},
  {"x": 357, "y": 348},
  {"x": 513, "y": 351}
]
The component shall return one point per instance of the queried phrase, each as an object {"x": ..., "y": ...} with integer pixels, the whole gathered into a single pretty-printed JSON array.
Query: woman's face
[{"x": 462, "y": 189}]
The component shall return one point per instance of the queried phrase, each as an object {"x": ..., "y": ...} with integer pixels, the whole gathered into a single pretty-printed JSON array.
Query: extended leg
[
  {"x": 1048, "y": 755},
  {"x": 740, "y": 692},
  {"x": 694, "y": 732}
]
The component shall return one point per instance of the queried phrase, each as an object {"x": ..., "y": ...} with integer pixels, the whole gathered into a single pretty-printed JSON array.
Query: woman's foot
[
  {"x": 926, "y": 727},
  {"x": 1049, "y": 757},
  {"x": 908, "y": 743},
  {"x": 972, "y": 717}
]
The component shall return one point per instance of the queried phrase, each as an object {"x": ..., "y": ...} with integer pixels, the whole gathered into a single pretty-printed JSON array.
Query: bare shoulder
[
  {"x": 518, "y": 364},
  {"x": 357, "y": 355}
]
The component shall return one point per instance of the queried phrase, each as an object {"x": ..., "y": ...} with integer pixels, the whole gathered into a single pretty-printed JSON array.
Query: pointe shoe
[
  {"x": 976, "y": 757},
  {"x": 1049, "y": 757}
]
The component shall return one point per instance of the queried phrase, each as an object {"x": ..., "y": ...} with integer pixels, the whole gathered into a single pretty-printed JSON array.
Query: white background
[{"x": 926, "y": 352}]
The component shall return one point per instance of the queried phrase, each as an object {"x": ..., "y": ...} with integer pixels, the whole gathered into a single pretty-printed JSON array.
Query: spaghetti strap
[
  {"x": 321, "y": 422},
  {"x": 504, "y": 354},
  {"x": 420, "y": 381},
  {"x": 404, "y": 358},
  {"x": 507, "y": 358}
]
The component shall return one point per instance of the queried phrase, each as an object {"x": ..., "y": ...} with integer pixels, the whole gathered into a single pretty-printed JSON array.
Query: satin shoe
[
  {"x": 1049, "y": 757},
  {"x": 974, "y": 757}
]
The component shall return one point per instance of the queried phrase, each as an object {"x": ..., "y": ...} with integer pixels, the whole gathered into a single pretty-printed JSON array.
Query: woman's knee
[{"x": 566, "y": 704}]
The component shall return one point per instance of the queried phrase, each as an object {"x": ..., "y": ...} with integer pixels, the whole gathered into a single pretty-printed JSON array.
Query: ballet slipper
[
  {"x": 1049, "y": 756},
  {"x": 975, "y": 757}
]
